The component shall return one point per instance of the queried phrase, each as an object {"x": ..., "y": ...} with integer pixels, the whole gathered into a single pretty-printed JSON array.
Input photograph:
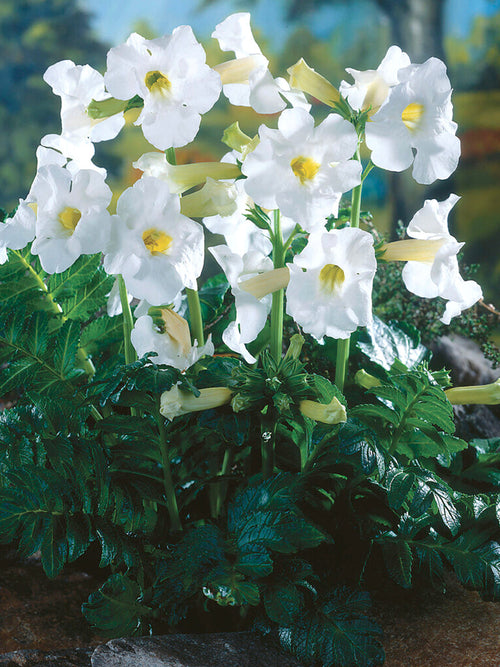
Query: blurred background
[{"x": 329, "y": 34}]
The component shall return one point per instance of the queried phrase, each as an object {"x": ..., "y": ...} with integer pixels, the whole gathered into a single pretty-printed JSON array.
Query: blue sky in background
[{"x": 113, "y": 19}]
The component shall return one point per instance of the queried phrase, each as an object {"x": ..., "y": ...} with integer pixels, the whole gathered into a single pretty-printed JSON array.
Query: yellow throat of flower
[
  {"x": 412, "y": 115},
  {"x": 304, "y": 168},
  {"x": 331, "y": 278},
  {"x": 157, "y": 82},
  {"x": 69, "y": 218},
  {"x": 156, "y": 241}
]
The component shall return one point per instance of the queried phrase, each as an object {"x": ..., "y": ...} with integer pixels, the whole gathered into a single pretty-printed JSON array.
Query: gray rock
[
  {"x": 78, "y": 657},
  {"x": 463, "y": 357},
  {"x": 238, "y": 649}
]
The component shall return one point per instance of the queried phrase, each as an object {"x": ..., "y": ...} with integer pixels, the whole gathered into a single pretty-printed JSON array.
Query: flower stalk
[
  {"x": 278, "y": 296},
  {"x": 343, "y": 344},
  {"x": 168, "y": 483}
]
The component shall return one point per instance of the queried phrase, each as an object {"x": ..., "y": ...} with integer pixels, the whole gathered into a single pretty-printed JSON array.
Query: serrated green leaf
[{"x": 116, "y": 608}]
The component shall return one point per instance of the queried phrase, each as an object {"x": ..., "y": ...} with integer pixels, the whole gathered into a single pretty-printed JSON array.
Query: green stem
[
  {"x": 343, "y": 345},
  {"x": 170, "y": 155},
  {"x": 278, "y": 298},
  {"x": 268, "y": 440},
  {"x": 128, "y": 323},
  {"x": 168, "y": 483},
  {"x": 195, "y": 316},
  {"x": 222, "y": 486}
]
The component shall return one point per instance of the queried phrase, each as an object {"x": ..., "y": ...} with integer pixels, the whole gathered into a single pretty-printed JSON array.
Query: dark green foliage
[
  {"x": 413, "y": 417},
  {"x": 336, "y": 631},
  {"x": 278, "y": 512},
  {"x": 116, "y": 607}
]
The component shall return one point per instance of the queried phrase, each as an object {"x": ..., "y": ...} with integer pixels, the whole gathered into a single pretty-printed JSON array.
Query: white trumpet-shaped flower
[
  {"x": 173, "y": 79},
  {"x": 71, "y": 216},
  {"x": 301, "y": 169},
  {"x": 438, "y": 274},
  {"x": 158, "y": 250},
  {"x": 171, "y": 340},
  {"x": 77, "y": 86},
  {"x": 371, "y": 87},
  {"x": 247, "y": 80},
  {"x": 329, "y": 293},
  {"x": 251, "y": 312},
  {"x": 414, "y": 125}
]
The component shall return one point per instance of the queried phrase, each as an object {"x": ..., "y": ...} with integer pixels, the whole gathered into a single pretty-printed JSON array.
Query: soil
[{"x": 421, "y": 629}]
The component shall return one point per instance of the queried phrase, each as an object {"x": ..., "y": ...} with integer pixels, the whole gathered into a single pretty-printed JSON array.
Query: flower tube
[
  {"x": 484, "y": 394},
  {"x": 176, "y": 402}
]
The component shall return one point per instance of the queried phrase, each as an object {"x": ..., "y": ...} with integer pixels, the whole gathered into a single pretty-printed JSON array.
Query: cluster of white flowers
[{"x": 301, "y": 169}]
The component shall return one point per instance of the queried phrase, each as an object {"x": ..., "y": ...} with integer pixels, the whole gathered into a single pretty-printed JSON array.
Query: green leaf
[
  {"x": 336, "y": 632},
  {"x": 283, "y": 603},
  {"x": 116, "y": 608},
  {"x": 384, "y": 343},
  {"x": 398, "y": 560}
]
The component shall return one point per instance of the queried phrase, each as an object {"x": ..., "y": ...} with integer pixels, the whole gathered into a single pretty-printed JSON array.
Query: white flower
[
  {"x": 156, "y": 249},
  {"x": 72, "y": 217},
  {"x": 371, "y": 87},
  {"x": 77, "y": 86},
  {"x": 251, "y": 313},
  {"x": 414, "y": 125},
  {"x": 73, "y": 152},
  {"x": 18, "y": 231},
  {"x": 172, "y": 342},
  {"x": 241, "y": 235},
  {"x": 171, "y": 76},
  {"x": 440, "y": 276},
  {"x": 303, "y": 170},
  {"x": 332, "y": 297},
  {"x": 247, "y": 80}
]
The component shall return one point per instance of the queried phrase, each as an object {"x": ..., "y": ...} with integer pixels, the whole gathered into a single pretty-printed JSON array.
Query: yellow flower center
[
  {"x": 157, "y": 82},
  {"x": 69, "y": 218},
  {"x": 156, "y": 241},
  {"x": 305, "y": 168},
  {"x": 412, "y": 115},
  {"x": 331, "y": 278}
]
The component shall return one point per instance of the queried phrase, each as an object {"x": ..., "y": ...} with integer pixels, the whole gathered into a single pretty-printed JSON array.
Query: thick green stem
[
  {"x": 268, "y": 440},
  {"x": 278, "y": 296},
  {"x": 195, "y": 316},
  {"x": 343, "y": 345},
  {"x": 222, "y": 485},
  {"x": 168, "y": 483},
  {"x": 128, "y": 323}
]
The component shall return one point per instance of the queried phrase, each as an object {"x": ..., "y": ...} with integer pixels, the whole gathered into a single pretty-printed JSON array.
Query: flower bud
[
  {"x": 303, "y": 77},
  {"x": 176, "y": 402},
  {"x": 483, "y": 394},
  {"x": 330, "y": 413},
  {"x": 366, "y": 380}
]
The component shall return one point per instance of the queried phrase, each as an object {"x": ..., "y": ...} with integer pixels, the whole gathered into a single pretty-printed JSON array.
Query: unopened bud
[
  {"x": 330, "y": 413},
  {"x": 176, "y": 402},
  {"x": 303, "y": 77},
  {"x": 366, "y": 380}
]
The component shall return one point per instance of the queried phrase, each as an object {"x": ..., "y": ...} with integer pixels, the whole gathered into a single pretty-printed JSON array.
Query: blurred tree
[{"x": 33, "y": 35}]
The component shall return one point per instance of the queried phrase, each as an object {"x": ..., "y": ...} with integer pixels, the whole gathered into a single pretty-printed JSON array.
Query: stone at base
[
  {"x": 238, "y": 649},
  {"x": 77, "y": 657}
]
